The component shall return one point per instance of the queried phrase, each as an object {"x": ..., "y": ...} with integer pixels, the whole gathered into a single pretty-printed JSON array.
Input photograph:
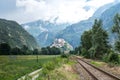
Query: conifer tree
[{"x": 116, "y": 30}]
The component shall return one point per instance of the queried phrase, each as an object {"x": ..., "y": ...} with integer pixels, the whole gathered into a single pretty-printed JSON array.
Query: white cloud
[
  {"x": 66, "y": 10},
  {"x": 97, "y": 3}
]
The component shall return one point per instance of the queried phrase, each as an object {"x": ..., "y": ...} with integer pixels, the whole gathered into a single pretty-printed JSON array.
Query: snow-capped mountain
[
  {"x": 44, "y": 31},
  {"x": 106, "y": 13}
]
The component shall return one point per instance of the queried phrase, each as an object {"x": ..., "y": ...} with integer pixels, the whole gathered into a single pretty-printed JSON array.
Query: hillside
[
  {"x": 108, "y": 15},
  {"x": 12, "y": 33},
  {"x": 45, "y": 38}
]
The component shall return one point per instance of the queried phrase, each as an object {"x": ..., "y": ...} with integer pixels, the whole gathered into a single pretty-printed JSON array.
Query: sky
[{"x": 61, "y": 11}]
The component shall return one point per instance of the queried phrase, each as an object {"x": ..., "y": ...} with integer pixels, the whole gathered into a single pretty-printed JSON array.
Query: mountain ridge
[
  {"x": 13, "y": 33},
  {"x": 39, "y": 28},
  {"x": 71, "y": 33},
  {"x": 74, "y": 37}
]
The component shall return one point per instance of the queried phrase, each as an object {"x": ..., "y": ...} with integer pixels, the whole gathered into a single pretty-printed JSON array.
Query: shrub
[
  {"x": 105, "y": 58},
  {"x": 84, "y": 52},
  {"x": 113, "y": 58},
  {"x": 63, "y": 55},
  {"x": 48, "y": 67}
]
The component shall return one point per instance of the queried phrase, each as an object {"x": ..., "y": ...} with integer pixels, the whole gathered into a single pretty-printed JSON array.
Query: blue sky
[{"x": 70, "y": 11}]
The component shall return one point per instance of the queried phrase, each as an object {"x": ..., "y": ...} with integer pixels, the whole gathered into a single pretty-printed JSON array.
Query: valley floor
[{"x": 13, "y": 67}]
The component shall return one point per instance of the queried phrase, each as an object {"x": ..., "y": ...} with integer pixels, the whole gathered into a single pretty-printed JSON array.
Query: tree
[
  {"x": 77, "y": 50},
  {"x": 25, "y": 49},
  {"x": 84, "y": 52},
  {"x": 117, "y": 46},
  {"x": 36, "y": 52},
  {"x": 50, "y": 51},
  {"x": 99, "y": 40},
  {"x": 86, "y": 43},
  {"x": 44, "y": 51},
  {"x": 116, "y": 30},
  {"x": 55, "y": 51},
  {"x": 5, "y": 49},
  {"x": 86, "y": 39},
  {"x": 16, "y": 51},
  {"x": 94, "y": 43},
  {"x": 116, "y": 26}
]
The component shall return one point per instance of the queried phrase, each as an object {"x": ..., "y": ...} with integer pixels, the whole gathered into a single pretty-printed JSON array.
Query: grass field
[
  {"x": 13, "y": 67},
  {"x": 63, "y": 70}
]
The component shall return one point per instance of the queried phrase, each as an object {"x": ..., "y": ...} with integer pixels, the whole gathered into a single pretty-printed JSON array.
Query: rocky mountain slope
[
  {"x": 46, "y": 38},
  {"x": 62, "y": 44},
  {"x": 13, "y": 33},
  {"x": 44, "y": 31}
]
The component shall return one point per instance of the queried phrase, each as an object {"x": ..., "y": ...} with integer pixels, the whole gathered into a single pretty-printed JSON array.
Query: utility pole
[
  {"x": 36, "y": 53},
  {"x": 37, "y": 57}
]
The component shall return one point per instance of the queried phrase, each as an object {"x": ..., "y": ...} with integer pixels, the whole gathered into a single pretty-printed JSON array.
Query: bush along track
[{"x": 56, "y": 70}]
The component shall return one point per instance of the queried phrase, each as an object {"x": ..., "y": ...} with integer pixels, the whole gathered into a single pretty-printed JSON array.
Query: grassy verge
[
  {"x": 96, "y": 63},
  {"x": 62, "y": 70},
  {"x": 13, "y": 67},
  {"x": 64, "y": 73},
  {"x": 119, "y": 56}
]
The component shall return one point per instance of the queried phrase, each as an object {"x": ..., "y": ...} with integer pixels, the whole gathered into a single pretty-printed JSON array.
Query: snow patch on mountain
[
  {"x": 26, "y": 27},
  {"x": 42, "y": 29}
]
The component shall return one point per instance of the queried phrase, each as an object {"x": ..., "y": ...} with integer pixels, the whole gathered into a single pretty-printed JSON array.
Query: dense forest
[{"x": 5, "y": 49}]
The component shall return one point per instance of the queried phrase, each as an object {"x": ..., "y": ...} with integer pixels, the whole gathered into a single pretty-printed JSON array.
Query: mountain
[
  {"x": 44, "y": 31},
  {"x": 46, "y": 38},
  {"x": 13, "y": 33},
  {"x": 73, "y": 32},
  {"x": 108, "y": 15},
  {"x": 62, "y": 44},
  {"x": 101, "y": 10}
]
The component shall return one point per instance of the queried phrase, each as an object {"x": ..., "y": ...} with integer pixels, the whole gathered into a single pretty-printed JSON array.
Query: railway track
[{"x": 94, "y": 72}]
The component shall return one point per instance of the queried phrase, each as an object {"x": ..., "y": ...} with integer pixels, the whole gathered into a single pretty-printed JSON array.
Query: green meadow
[{"x": 13, "y": 67}]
